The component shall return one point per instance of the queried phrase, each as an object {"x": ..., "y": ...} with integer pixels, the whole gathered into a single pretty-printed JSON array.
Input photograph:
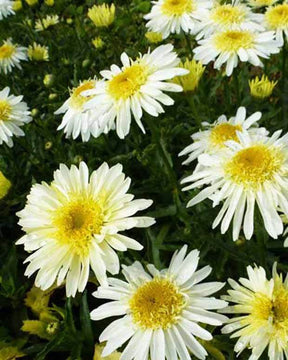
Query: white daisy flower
[
  {"x": 276, "y": 19},
  {"x": 230, "y": 46},
  {"x": 135, "y": 86},
  {"x": 214, "y": 137},
  {"x": 172, "y": 16},
  {"x": 14, "y": 113},
  {"x": 253, "y": 170},
  {"x": 261, "y": 312},
  {"x": 227, "y": 16},
  {"x": 74, "y": 223},
  {"x": 10, "y": 56},
  {"x": 160, "y": 310},
  {"x": 6, "y": 8},
  {"x": 78, "y": 120}
]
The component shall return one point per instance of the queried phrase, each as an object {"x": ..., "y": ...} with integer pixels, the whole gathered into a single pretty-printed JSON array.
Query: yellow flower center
[
  {"x": 233, "y": 40},
  {"x": 76, "y": 222},
  {"x": 253, "y": 166},
  {"x": 128, "y": 82},
  {"x": 76, "y": 99},
  {"x": 277, "y": 17},
  {"x": 228, "y": 15},
  {"x": 157, "y": 304},
  {"x": 5, "y": 110},
  {"x": 177, "y": 7},
  {"x": 224, "y": 132},
  {"x": 6, "y": 51}
]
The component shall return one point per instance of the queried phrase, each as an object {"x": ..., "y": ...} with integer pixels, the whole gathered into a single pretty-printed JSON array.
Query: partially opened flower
[
  {"x": 261, "y": 309},
  {"x": 190, "y": 81},
  {"x": 172, "y": 16},
  {"x": 102, "y": 15},
  {"x": 250, "y": 172},
  {"x": 276, "y": 19},
  {"x": 138, "y": 85},
  {"x": 215, "y": 135},
  {"x": 74, "y": 223},
  {"x": 5, "y": 185},
  {"x": 11, "y": 55},
  {"x": 14, "y": 113},
  {"x": 6, "y": 8},
  {"x": 261, "y": 88},
  {"x": 230, "y": 46},
  {"x": 160, "y": 310},
  {"x": 37, "y": 52},
  {"x": 45, "y": 23},
  {"x": 225, "y": 16},
  {"x": 260, "y": 3}
]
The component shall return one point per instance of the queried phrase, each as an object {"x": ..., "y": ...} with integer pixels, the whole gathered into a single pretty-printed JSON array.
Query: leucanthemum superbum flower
[
  {"x": 276, "y": 19},
  {"x": 225, "y": 16},
  {"x": 252, "y": 171},
  {"x": 74, "y": 224},
  {"x": 215, "y": 135},
  {"x": 14, "y": 113},
  {"x": 172, "y": 16},
  {"x": 45, "y": 23},
  {"x": 260, "y": 3},
  {"x": 190, "y": 81},
  {"x": 261, "y": 88},
  {"x": 138, "y": 85},
  {"x": 38, "y": 52},
  {"x": 11, "y": 55},
  {"x": 6, "y": 8},
  {"x": 230, "y": 46},
  {"x": 5, "y": 185},
  {"x": 77, "y": 120},
  {"x": 102, "y": 15},
  {"x": 261, "y": 309},
  {"x": 160, "y": 310}
]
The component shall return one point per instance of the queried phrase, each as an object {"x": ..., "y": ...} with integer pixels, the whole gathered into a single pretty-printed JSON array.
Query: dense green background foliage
[{"x": 150, "y": 159}]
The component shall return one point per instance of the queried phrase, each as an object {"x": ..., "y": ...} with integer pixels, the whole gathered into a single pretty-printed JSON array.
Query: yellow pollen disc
[
  {"x": 128, "y": 82},
  {"x": 5, "y": 110},
  {"x": 157, "y": 304},
  {"x": 76, "y": 222},
  {"x": 233, "y": 40},
  {"x": 6, "y": 51},
  {"x": 224, "y": 132},
  {"x": 77, "y": 100},
  {"x": 228, "y": 15},
  {"x": 177, "y": 7},
  {"x": 277, "y": 17},
  {"x": 253, "y": 166}
]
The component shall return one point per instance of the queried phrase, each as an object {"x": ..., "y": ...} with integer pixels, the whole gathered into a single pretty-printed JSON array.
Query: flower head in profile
[
  {"x": 276, "y": 19},
  {"x": 98, "y": 43},
  {"x": 230, "y": 46},
  {"x": 153, "y": 37},
  {"x": 226, "y": 16},
  {"x": 45, "y": 23},
  {"x": 248, "y": 172},
  {"x": 37, "y": 52},
  {"x": 6, "y": 8},
  {"x": 102, "y": 15},
  {"x": 215, "y": 135},
  {"x": 74, "y": 224},
  {"x": 172, "y": 16},
  {"x": 77, "y": 120},
  {"x": 5, "y": 184},
  {"x": 14, "y": 113},
  {"x": 261, "y": 309},
  {"x": 138, "y": 85},
  {"x": 160, "y": 310},
  {"x": 190, "y": 81},
  {"x": 261, "y": 88},
  {"x": 11, "y": 55},
  {"x": 260, "y": 3}
]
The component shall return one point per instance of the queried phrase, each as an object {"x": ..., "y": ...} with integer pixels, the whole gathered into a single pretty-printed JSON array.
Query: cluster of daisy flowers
[{"x": 226, "y": 32}]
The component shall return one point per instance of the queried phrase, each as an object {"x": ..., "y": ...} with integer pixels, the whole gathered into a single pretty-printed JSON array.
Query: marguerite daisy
[
  {"x": 160, "y": 310},
  {"x": 137, "y": 85},
  {"x": 6, "y": 8},
  {"x": 78, "y": 120},
  {"x": 230, "y": 46},
  {"x": 276, "y": 19},
  {"x": 215, "y": 135},
  {"x": 172, "y": 16},
  {"x": 73, "y": 224},
  {"x": 261, "y": 308},
  {"x": 10, "y": 56},
  {"x": 253, "y": 170},
  {"x": 225, "y": 16},
  {"x": 14, "y": 113}
]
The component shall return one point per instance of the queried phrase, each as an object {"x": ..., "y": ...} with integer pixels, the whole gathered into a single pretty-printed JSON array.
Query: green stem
[
  {"x": 283, "y": 81},
  {"x": 191, "y": 102},
  {"x": 188, "y": 44}
]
